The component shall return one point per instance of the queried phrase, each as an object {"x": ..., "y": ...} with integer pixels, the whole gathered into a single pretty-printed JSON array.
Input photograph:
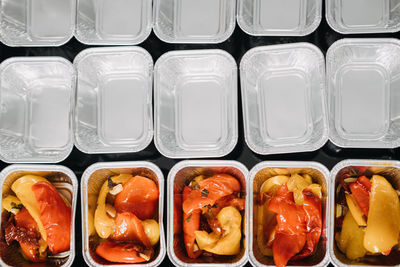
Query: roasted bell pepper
[
  {"x": 212, "y": 212},
  {"x": 383, "y": 225},
  {"x": 313, "y": 213},
  {"x": 139, "y": 196},
  {"x": 350, "y": 239},
  {"x": 209, "y": 191},
  {"x": 129, "y": 228},
  {"x": 103, "y": 223},
  {"x": 360, "y": 191},
  {"x": 191, "y": 223},
  {"x": 34, "y": 251},
  {"x": 229, "y": 242},
  {"x": 23, "y": 190},
  {"x": 55, "y": 216},
  {"x": 290, "y": 236},
  {"x": 121, "y": 252}
]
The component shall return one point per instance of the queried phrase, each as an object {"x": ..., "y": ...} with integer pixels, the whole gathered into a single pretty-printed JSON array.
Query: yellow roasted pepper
[
  {"x": 350, "y": 240},
  {"x": 297, "y": 184},
  {"x": 11, "y": 204},
  {"x": 103, "y": 223},
  {"x": 152, "y": 230},
  {"x": 23, "y": 190},
  {"x": 355, "y": 210},
  {"x": 227, "y": 244},
  {"x": 383, "y": 225}
]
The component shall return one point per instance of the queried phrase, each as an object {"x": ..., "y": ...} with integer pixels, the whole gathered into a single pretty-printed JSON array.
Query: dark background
[{"x": 237, "y": 45}]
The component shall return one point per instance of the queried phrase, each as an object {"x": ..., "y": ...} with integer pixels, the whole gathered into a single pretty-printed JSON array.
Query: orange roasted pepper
[
  {"x": 191, "y": 223},
  {"x": 139, "y": 196},
  {"x": 120, "y": 252},
  {"x": 55, "y": 216},
  {"x": 129, "y": 228},
  {"x": 298, "y": 227},
  {"x": 209, "y": 191}
]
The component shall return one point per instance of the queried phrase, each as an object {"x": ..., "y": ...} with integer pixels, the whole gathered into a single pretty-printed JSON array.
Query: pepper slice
[
  {"x": 312, "y": 208},
  {"x": 55, "y": 216},
  {"x": 119, "y": 252},
  {"x": 34, "y": 250},
  {"x": 139, "y": 196},
  {"x": 291, "y": 229},
  {"x": 191, "y": 223},
  {"x": 209, "y": 191},
  {"x": 361, "y": 192},
  {"x": 129, "y": 228}
]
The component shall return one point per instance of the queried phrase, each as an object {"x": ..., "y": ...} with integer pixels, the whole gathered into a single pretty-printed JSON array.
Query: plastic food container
[
  {"x": 37, "y": 99},
  {"x": 279, "y": 17},
  {"x": 64, "y": 180},
  {"x": 195, "y": 104},
  {"x": 361, "y": 16},
  {"x": 37, "y": 22},
  {"x": 388, "y": 169},
  {"x": 91, "y": 182},
  {"x": 265, "y": 170},
  {"x": 283, "y": 96},
  {"x": 363, "y": 78},
  {"x": 179, "y": 176},
  {"x": 113, "y": 22},
  {"x": 194, "y": 21},
  {"x": 114, "y": 100}
]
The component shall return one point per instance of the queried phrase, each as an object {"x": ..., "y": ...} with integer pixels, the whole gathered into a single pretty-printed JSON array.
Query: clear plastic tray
[
  {"x": 64, "y": 180},
  {"x": 180, "y": 175},
  {"x": 37, "y": 99},
  {"x": 388, "y": 169},
  {"x": 194, "y": 21},
  {"x": 113, "y": 22},
  {"x": 114, "y": 100},
  {"x": 363, "y": 79},
  {"x": 195, "y": 104},
  {"x": 283, "y": 95},
  {"x": 37, "y": 22},
  {"x": 91, "y": 182},
  {"x": 265, "y": 170},
  {"x": 362, "y": 16},
  {"x": 279, "y": 17}
]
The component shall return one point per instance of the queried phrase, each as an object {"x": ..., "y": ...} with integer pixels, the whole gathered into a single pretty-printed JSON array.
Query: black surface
[{"x": 238, "y": 44}]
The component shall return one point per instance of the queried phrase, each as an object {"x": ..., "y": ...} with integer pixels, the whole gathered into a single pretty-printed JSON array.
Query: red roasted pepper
[
  {"x": 290, "y": 236},
  {"x": 139, "y": 196},
  {"x": 191, "y": 223},
  {"x": 119, "y": 252},
  {"x": 31, "y": 249},
  {"x": 129, "y": 228},
  {"x": 55, "y": 216},
  {"x": 209, "y": 191},
  {"x": 313, "y": 211},
  {"x": 361, "y": 190}
]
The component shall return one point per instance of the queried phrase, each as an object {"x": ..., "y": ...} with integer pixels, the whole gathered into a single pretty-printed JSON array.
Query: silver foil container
[
  {"x": 355, "y": 168},
  {"x": 178, "y": 177},
  {"x": 64, "y": 180},
  {"x": 265, "y": 170},
  {"x": 91, "y": 182}
]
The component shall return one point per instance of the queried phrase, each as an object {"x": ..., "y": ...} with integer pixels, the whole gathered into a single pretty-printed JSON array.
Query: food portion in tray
[
  {"x": 367, "y": 216},
  {"x": 209, "y": 218},
  {"x": 289, "y": 217},
  {"x": 124, "y": 219},
  {"x": 37, "y": 217}
]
